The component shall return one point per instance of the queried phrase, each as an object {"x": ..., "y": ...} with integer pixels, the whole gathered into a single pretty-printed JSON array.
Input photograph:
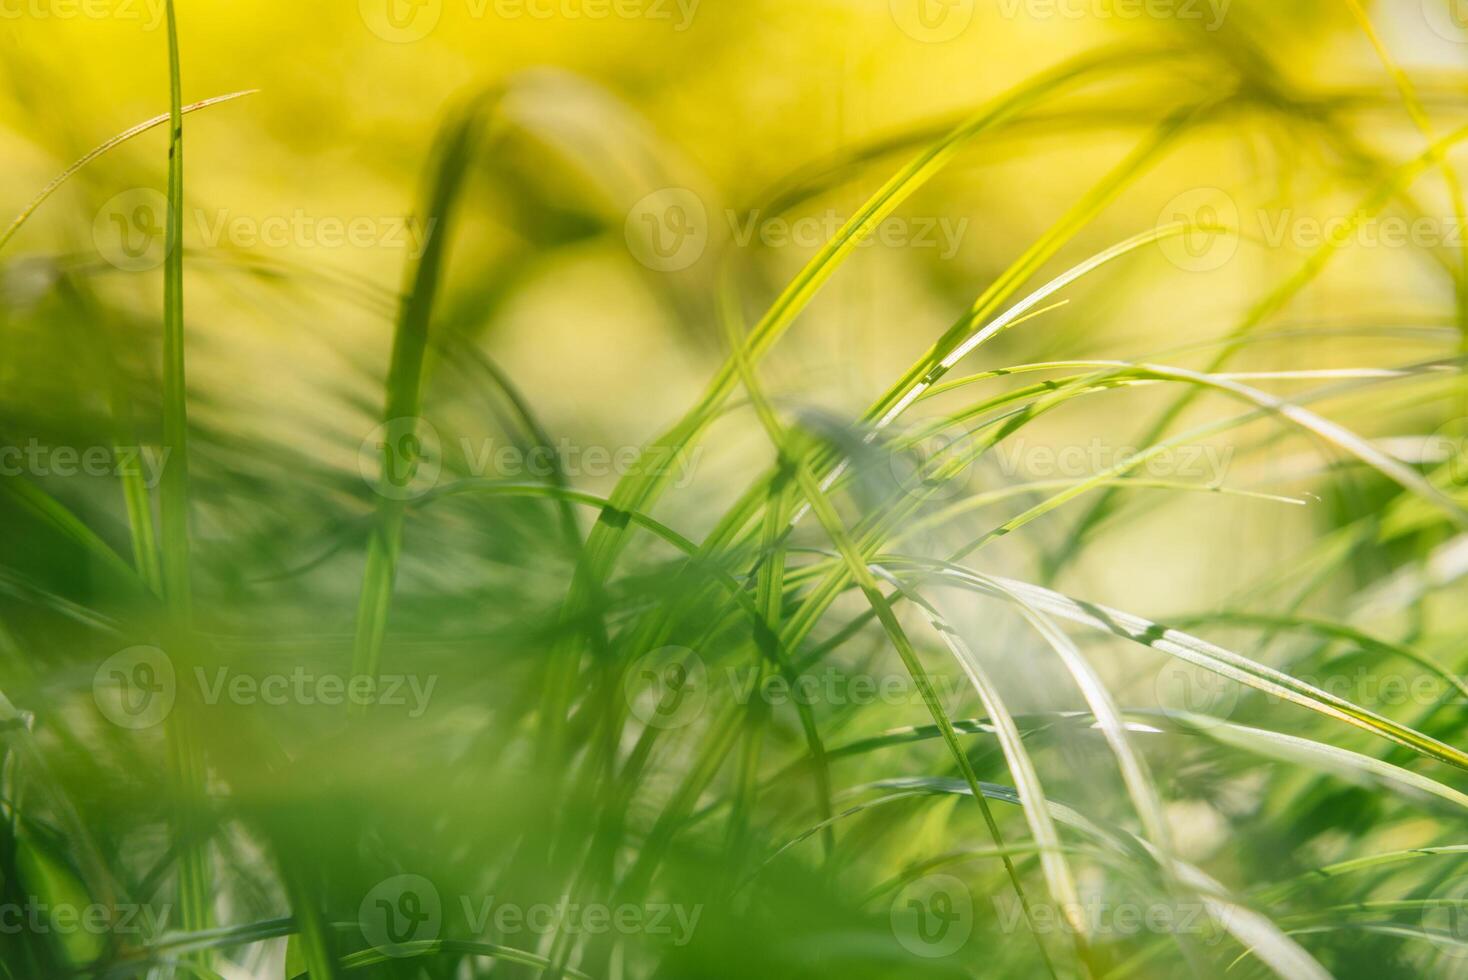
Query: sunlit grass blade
[
  {"x": 103, "y": 148},
  {"x": 1210, "y": 657}
]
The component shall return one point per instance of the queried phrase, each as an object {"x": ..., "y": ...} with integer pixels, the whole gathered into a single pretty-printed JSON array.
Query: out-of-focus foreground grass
[{"x": 685, "y": 488}]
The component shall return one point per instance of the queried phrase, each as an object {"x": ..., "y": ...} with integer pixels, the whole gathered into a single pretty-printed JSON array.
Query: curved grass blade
[
  {"x": 636, "y": 492},
  {"x": 195, "y": 878},
  {"x": 1202, "y": 654},
  {"x": 1057, "y": 872},
  {"x": 115, "y": 141},
  {"x": 453, "y": 153},
  {"x": 1284, "y": 956}
]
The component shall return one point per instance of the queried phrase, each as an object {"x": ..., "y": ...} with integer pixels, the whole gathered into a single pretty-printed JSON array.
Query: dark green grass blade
[{"x": 454, "y": 153}]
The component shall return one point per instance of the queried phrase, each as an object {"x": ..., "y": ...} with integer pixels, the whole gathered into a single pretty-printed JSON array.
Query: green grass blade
[
  {"x": 102, "y": 149},
  {"x": 453, "y": 155}
]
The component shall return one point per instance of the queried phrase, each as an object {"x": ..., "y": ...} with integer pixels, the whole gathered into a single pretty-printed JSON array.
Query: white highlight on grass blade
[
  {"x": 1201, "y": 653},
  {"x": 1330, "y": 431},
  {"x": 1058, "y": 875}
]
